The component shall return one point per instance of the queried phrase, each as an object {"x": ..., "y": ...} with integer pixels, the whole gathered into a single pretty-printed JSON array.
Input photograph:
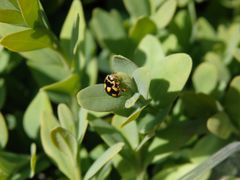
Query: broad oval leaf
[
  {"x": 142, "y": 27},
  {"x": 165, "y": 13},
  {"x": 142, "y": 78},
  {"x": 205, "y": 78},
  {"x": 103, "y": 159},
  {"x": 122, "y": 64},
  {"x": 27, "y": 40},
  {"x": 169, "y": 77},
  {"x": 94, "y": 98},
  {"x": 137, "y": 8},
  {"x": 149, "y": 52},
  {"x": 220, "y": 125}
]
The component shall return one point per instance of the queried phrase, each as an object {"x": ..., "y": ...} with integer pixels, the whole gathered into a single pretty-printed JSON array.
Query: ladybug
[{"x": 112, "y": 85}]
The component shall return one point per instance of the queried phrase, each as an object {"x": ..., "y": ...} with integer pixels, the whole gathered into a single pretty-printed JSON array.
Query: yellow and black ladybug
[{"x": 112, "y": 85}]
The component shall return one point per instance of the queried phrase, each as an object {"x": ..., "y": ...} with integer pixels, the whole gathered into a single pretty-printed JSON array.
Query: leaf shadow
[{"x": 160, "y": 93}]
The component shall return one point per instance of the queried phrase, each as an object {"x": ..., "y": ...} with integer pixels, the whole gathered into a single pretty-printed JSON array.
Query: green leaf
[
  {"x": 211, "y": 144},
  {"x": 132, "y": 100},
  {"x": 73, "y": 29},
  {"x": 204, "y": 30},
  {"x": 33, "y": 159},
  {"x": 111, "y": 136},
  {"x": 65, "y": 142},
  {"x": 232, "y": 100},
  {"x": 4, "y": 132},
  {"x": 5, "y": 57},
  {"x": 133, "y": 116},
  {"x": 130, "y": 131},
  {"x": 27, "y": 40},
  {"x": 2, "y": 92},
  {"x": 137, "y": 8},
  {"x": 232, "y": 43},
  {"x": 181, "y": 27},
  {"x": 113, "y": 37},
  {"x": 48, "y": 66},
  {"x": 95, "y": 98},
  {"x": 82, "y": 124},
  {"x": 11, "y": 17},
  {"x": 66, "y": 118},
  {"x": 32, "y": 116},
  {"x": 165, "y": 13},
  {"x": 169, "y": 77},
  {"x": 220, "y": 125},
  {"x": 11, "y": 163},
  {"x": 48, "y": 123},
  {"x": 103, "y": 159},
  {"x": 8, "y": 4},
  {"x": 7, "y": 29},
  {"x": 31, "y": 12},
  {"x": 199, "y": 105},
  {"x": 205, "y": 78},
  {"x": 149, "y": 52},
  {"x": 142, "y": 78},
  {"x": 213, "y": 161},
  {"x": 67, "y": 86},
  {"x": 223, "y": 72},
  {"x": 141, "y": 28},
  {"x": 122, "y": 64}
]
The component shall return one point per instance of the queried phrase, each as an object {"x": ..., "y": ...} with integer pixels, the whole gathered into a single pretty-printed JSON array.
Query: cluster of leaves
[{"x": 180, "y": 62}]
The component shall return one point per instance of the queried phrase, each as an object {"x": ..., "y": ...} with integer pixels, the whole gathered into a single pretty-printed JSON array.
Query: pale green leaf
[
  {"x": 165, "y": 13},
  {"x": 82, "y": 124},
  {"x": 122, "y": 64},
  {"x": 66, "y": 118},
  {"x": 73, "y": 29},
  {"x": 133, "y": 116},
  {"x": 137, "y": 8},
  {"x": 32, "y": 116},
  {"x": 132, "y": 100},
  {"x": 149, "y": 52},
  {"x": 103, "y": 159},
  {"x": 220, "y": 125},
  {"x": 130, "y": 131},
  {"x": 48, "y": 122},
  {"x": 65, "y": 142},
  {"x": 205, "y": 78},
  {"x": 142, "y": 78}
]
